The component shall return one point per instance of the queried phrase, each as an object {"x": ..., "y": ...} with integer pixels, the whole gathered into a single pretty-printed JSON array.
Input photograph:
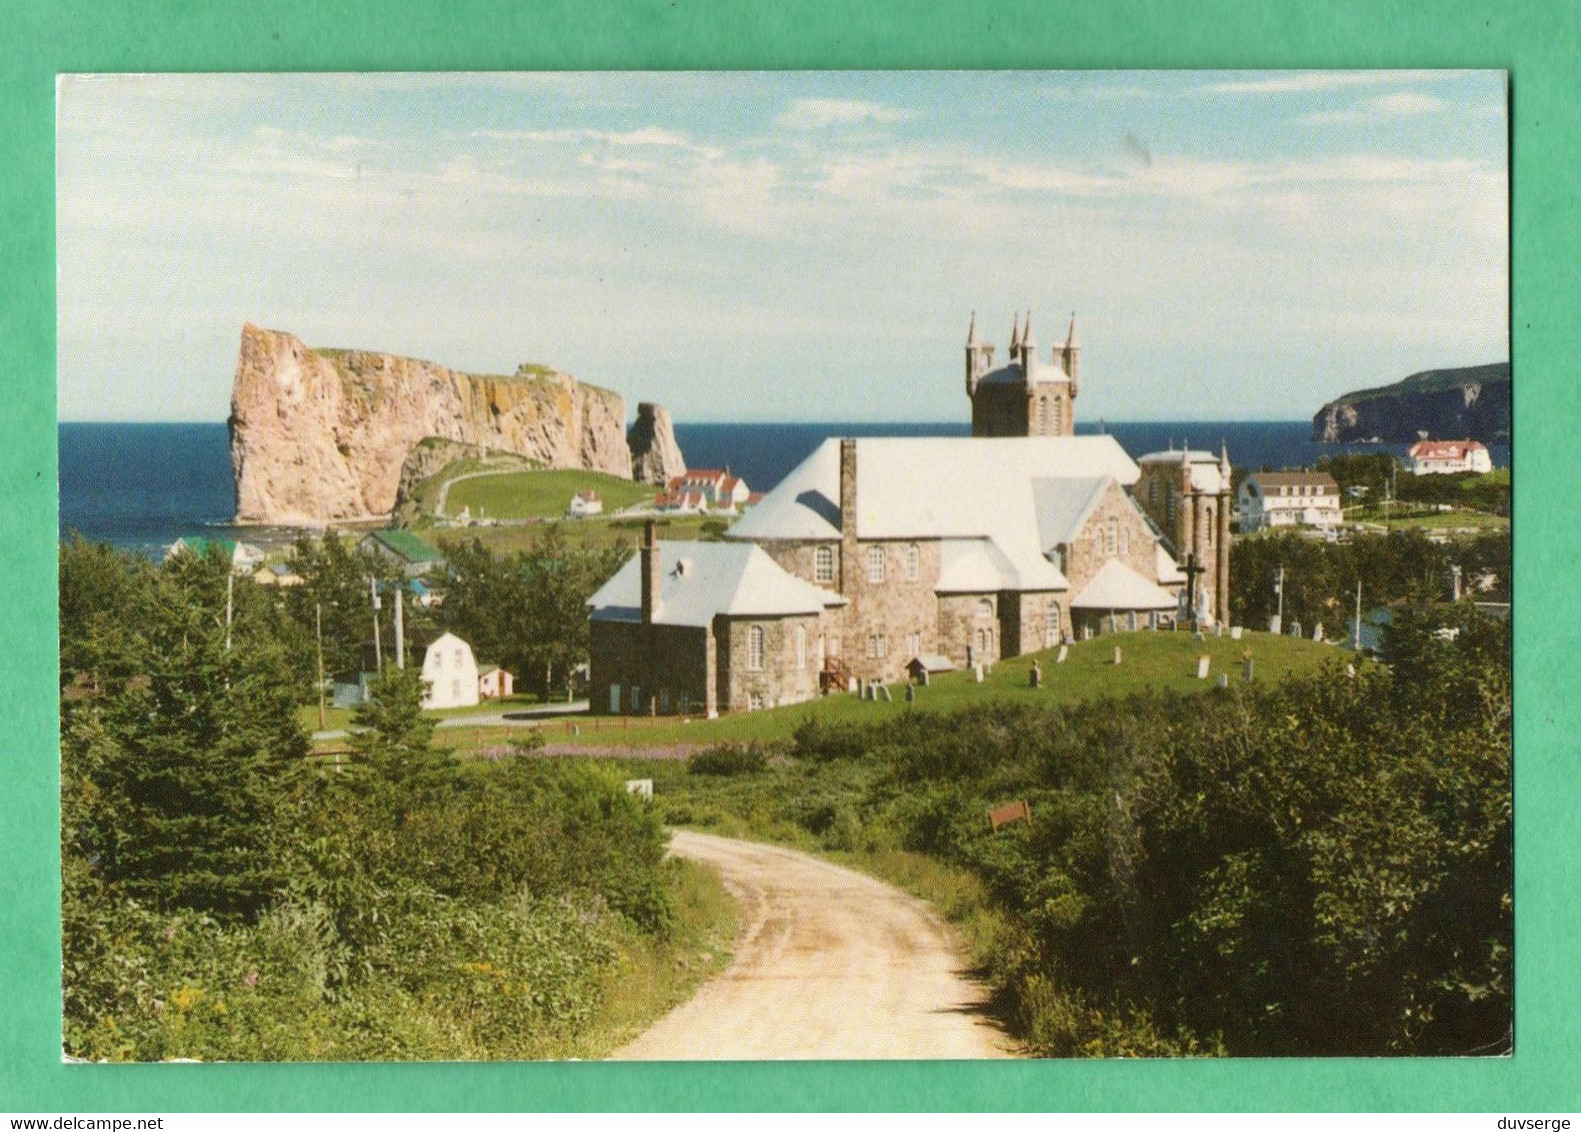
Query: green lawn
[
  {"x": 593, "y": 534},
  {"x": 539, "y": 494},
  {"x": 1148, "y": 661},
  {"x": 1402, "y": 517},
  {"x": 337, "y": 719}
]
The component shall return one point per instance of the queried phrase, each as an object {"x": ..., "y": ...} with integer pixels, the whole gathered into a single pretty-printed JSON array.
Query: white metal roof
[
  {"x": 1117, "y": 586},
  {"x": 1168, "y": 568},
  {"x": 700, "y": 580}
]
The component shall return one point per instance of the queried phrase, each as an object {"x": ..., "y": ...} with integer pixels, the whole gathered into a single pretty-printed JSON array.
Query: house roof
[
  {"x": 1117, "y": 586},
  {"x": 406, "y": 545},
  {"x": 1445, "y": 449},
  {"x": 1296, "y": 479},
  {"x": 702, "y": 580},
  {"x": 587, "y": 494},
  {"x": 1019, "y": 494}
]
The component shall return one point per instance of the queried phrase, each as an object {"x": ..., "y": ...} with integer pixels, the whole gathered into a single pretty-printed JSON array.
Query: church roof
[
  {"x": 1117, "y": 586},
  {"x": 1002, "y": 491},
  {"x": 1012, "y": 374},
  {"x": 1168, "y": 568},
  {"x": 1206, "y": 475},
  {"x": 700, "y": 580}
]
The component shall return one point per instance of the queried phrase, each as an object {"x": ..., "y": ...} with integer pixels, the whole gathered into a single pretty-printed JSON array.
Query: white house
[
  {"x": 1439, "y": 457},
  {"x": 585, "y": 503},
  {"x": 243, "y": 557},
  {"x": 1288, "y": 499},
  {"x": 451, "y": 673}
]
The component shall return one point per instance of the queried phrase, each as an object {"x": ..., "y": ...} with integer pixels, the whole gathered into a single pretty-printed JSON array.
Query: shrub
[{"x": 729, "y": 759}]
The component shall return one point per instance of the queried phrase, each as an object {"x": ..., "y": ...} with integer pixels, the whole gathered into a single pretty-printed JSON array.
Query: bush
[{"x": 728, "y": 759}]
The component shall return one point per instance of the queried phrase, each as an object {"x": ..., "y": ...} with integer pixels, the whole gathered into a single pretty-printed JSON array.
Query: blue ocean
[{"x": 142, "y": 486}]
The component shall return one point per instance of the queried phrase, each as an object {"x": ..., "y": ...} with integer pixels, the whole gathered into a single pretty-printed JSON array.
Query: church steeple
[
  {"x": 971, "y": 332},
  {"x": 1015, "y": 338},
  {"x": 979, "y": 357},
  {"x": 1070, "y": 357}
]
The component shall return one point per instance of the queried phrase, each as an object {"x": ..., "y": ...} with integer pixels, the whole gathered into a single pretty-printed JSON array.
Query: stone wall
[
  {"x": 1086, "y": 554},
  {"x": 896, "y": 608},
  {"x": 781, "y": 679},
  {"x": 671, "y": 666}
]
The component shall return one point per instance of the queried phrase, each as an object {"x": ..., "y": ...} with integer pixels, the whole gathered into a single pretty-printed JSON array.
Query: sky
[{"x": 788, "y": 246}]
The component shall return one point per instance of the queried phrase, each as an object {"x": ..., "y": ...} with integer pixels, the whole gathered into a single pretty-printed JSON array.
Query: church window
[
  {"x": 755, "y": 701},
  {"x": 913, "y": 562},
  {"x": 1051, "y": 626},
  {"x": 1152, "y": 493},
  {"x": 875, "y": 564},
  {"x": 1125, "y": 541},
  {"x": 823, "y": 564},
  {"x": 985, "y": 607},
  {"x": 801, "y": 646},
  {"x": 1112, "y": 539},
  {"x": 755, "y": 647},
  {"x": 1043, "y": 416},
  {"x": 914, "y": 644}
]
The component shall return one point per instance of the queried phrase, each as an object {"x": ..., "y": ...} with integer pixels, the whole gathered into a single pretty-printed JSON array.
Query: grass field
[
  {"x": 337, "y": 719},
  {"x": 1149, "y": 661},
  {"x": 1402, "y": 518},
  {"x": 593, "y": 534},
  {"x": 539, "y": 494}
]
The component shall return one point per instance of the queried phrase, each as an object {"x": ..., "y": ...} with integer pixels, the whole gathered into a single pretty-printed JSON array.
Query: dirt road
[{"x": 829, "y": 964}]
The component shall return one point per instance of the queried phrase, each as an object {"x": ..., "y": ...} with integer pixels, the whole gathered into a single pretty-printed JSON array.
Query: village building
[
  {"x": 495, "y": 683},
  {"x": 277, "y": 574},
  {"x": 691, "y": 502},
  {"x": 244, "y": 558},
  {"x": 720, "y": 490},
  {"x": 584, "y": 503},
  {"x": 1269, "y": 500},
  {"x": 704, "y": 627},
  {"x": 414, "y": 556},
  {"x": 875, "y": 559},
  {"x": 450, "y": 672},
  {"x": 1443, "y": 457}
]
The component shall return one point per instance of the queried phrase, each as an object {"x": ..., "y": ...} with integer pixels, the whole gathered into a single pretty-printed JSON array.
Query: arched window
[
  {"x": 755, "y": 647},
  {"x": 1051, "y": 626},
  {"x": 1125, "y": 541},
  {"x": 1112, "y": 542},
  {"x": 985, "y": 608},
  {"x": 913, "y": 562},
  {"x": 823, "y": 564},
  {"x": 1043, "y": 416},
  {"x": 875, "y": 564}
]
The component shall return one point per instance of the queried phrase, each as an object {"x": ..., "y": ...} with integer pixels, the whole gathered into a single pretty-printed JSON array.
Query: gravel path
[{"x": 830, "y": 964}]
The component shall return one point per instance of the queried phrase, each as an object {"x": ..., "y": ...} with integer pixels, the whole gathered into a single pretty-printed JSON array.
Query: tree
[{"x": 394, "y": 739}]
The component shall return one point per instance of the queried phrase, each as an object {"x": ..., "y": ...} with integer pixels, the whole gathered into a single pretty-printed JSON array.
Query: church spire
[
  {"x": 1029, "y": 342},
  {"x": 1015, "y": 336},
  {"x": 1070, "y": 335},
  {"x": 1224, "y": 463},
  {"x": 971, "y": 332}
]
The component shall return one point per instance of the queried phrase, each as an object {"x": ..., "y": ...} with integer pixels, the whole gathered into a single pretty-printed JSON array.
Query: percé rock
[
  {"x": 320, "y": 436},
  {"x": 1472, "y": 401},
  {"x": 655, "y": 456},
  {"x": 428, "y": 458}
]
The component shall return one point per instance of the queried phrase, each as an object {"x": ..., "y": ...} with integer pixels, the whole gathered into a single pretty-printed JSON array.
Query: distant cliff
[
  {"x": 1473, "y": 401},
  {"x": 320, "y": 436}
]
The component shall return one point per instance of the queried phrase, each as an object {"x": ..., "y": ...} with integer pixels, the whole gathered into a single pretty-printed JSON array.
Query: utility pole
[
  {"x": 400, "y": 630},
  {"x": 1355, "y": 638},
  {"x": 318, "y": 630},
  {"x": 378, "y": 653},
  {"x": 230, "y": 589},
  {"x": 1279, "y": 588}
]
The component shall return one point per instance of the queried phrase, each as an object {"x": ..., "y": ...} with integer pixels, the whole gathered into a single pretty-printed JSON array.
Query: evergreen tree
[{"x": 394, "y": 739}]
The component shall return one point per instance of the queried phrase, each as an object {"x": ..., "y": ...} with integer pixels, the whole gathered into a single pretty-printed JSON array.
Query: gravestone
[
  {"x": 977, "y": 671},
  {"x": 1235, "y": 632},
  {"x": 911, "y": 693},
  {"x": 1117, "y": 656},
  {"x": 1224, "y": 679},
  {"x": 1350, "y": 670},
  {"x": 1036, "y": 675},
  {"x": 1203, "y": 664},
  {"x": 1246, "y": 669},
  {"x": 1201, "y": 636},
  {"x": 1218, "y": 629},
  {"x": 1317, "y": 632},
  {"x": 884, "y": 688},
  {"x": 1064, "y": 651}
]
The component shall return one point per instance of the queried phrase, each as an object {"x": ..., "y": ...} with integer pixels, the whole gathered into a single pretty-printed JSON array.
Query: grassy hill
[
  {"x": 1150, "y": 661},
  {"x": 541, "y": 494}
]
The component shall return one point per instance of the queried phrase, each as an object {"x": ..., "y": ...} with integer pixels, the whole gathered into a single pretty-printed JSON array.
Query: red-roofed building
[
  {"x": 1437, "y": 457},
  {"x": 683, "y": 501},
  {"x": 723, "y": 491},
  {"x": 585, "y": 503}
]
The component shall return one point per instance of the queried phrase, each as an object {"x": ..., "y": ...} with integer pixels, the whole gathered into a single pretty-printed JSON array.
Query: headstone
[
  {"x": 1201, "y": 636},
  {"x": 884, "y": 688},
  {"x": 1036, "y": 675},
  {"x": 1224, "y": 679},
  {"x": 1350, "y": 670},
  {"x": 1203, "y": 664},
  {"x": 911, "y": 692},
  {"x": 978, "y": 671},
  {"x": 1117, "y": 656},
  {"x": 1317, "y": 631},
  {"x": 1218, "y": 628},
  {"x": 1059, "y": 657},
  {"x": 924, "y": 677},
  {"x": 1235, "y": 632},
  {"x": 1246, "y": 669},
  {"x": 1295, "y": 628}
]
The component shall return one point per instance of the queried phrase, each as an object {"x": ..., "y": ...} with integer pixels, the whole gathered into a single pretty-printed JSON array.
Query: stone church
[{"x": 874, "y": 552}]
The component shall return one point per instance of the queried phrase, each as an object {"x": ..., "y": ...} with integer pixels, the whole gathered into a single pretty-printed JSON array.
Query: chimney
[
  {"x": 848, "y": 563},
  {"x": 650, "y": 571}
]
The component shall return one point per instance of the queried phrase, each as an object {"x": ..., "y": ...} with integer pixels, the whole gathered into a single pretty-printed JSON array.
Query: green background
[{"x": 1537, "y": 42}]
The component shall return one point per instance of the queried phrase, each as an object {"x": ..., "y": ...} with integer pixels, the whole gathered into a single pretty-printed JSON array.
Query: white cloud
[
  {"x": 821, "y": 113},
  {"x": 1400, "y": 104},
  {"x": 1298, "y": 82}
]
